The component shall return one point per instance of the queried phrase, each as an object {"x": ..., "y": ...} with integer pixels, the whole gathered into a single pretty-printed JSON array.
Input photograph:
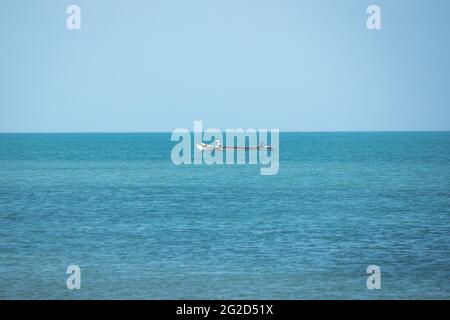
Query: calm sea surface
[{"x": 142, "y": 227}]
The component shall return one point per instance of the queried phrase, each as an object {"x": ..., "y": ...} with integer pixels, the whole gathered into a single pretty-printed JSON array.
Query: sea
[{"x": 140, "y": 227}]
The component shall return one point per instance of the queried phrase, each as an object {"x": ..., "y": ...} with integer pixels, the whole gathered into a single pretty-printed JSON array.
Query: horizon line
[{"x": 281, "y": 131}]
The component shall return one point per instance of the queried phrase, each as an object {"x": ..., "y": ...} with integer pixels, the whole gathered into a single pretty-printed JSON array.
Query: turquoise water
[{"x": 141, "y": 227}]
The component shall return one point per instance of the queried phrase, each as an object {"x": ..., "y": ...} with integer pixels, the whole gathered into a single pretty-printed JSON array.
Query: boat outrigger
[{"x": 217, "y": 145}]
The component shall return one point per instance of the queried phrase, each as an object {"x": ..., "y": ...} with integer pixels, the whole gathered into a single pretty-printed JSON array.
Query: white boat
[
  {"x": 204, "y": 147},
  {"x": 218, "y": 146}
]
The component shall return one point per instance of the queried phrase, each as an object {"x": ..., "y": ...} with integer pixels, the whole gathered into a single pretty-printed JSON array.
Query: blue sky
[{"x": 159, "y": 65}]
